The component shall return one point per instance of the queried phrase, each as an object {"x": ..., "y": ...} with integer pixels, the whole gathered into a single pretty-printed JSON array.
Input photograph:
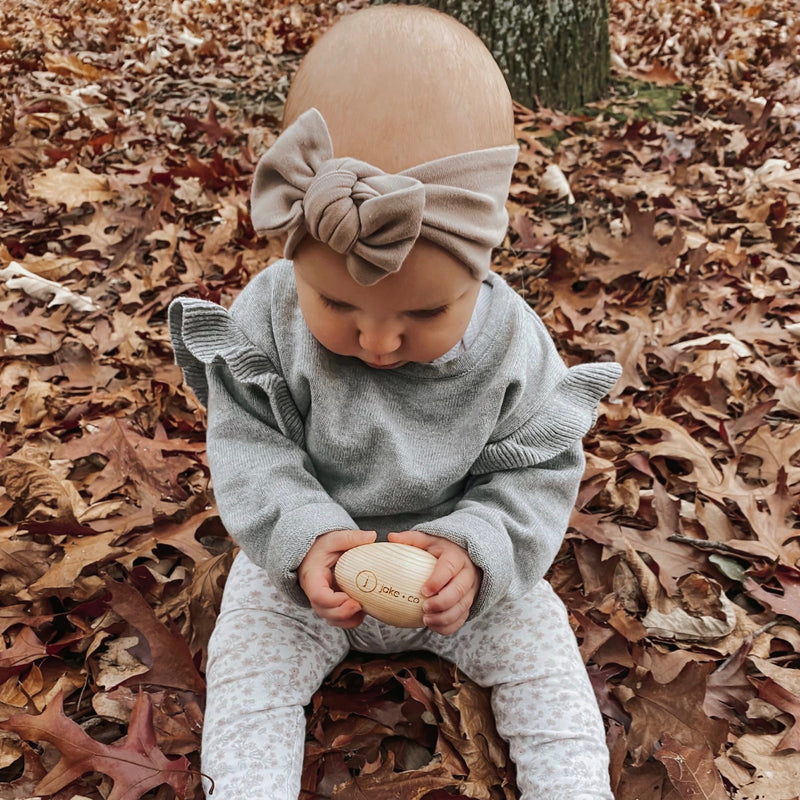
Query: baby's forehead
[{"x": 402, "y": 85}]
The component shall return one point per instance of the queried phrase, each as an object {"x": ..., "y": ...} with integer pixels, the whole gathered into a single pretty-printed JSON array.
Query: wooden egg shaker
[{"x": 386, "y": 577}]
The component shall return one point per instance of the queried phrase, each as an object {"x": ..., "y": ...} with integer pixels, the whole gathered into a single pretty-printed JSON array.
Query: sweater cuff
[{"x": 291, "y": 539}]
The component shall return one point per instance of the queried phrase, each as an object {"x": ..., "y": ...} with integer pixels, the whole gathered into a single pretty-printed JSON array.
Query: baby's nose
[{"x": 379, "y": 339}]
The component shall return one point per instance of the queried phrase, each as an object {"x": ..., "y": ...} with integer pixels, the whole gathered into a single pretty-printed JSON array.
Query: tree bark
[{"x": 552, "y": 52}]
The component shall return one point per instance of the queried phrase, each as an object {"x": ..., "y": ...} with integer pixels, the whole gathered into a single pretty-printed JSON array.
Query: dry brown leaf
[
  {"x": 691, "y": 771},
  {"x": 78, "y": 554},
  {"x": 674, "y": 709},
  {"x": 170, "y": 661},
  {"x": 640, "y": 253},
  {"x": 70, "y": 189},
  {"x": 135, "y": 766},
  {"x": 775, "y": 774},
  {"x": 679, "y": 618},
  {"x": 126, "y": 150},
  {"x": 40, "y": 496}
]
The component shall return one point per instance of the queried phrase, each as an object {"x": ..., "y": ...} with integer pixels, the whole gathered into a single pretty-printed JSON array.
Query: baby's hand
[
  {"x": 453, "y": 585},
  {"x": 315, "y": 575}
]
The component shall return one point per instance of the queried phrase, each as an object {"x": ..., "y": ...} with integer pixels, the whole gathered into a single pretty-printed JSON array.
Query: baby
[{"x": 382, "y": 383}]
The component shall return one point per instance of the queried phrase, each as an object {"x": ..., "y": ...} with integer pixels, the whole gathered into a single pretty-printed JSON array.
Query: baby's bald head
[{"x": 402, "y": 85}]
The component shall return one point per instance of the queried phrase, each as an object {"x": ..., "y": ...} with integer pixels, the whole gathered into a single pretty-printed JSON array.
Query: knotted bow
[{"x": 372, "y": 217}]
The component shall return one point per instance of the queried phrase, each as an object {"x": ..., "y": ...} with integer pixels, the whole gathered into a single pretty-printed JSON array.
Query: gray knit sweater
[{"x": 484, "y": 449}]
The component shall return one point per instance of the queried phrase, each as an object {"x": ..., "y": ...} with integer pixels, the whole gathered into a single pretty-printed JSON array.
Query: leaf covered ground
[{"x": 659, "y": 227}]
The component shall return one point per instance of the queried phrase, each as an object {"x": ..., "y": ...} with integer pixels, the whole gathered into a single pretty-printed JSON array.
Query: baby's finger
[
  {"x": 350, "y": 622},
  {"x": 347, "y": 615},
  {"x": 457, "y": 592},
  {"x": 322, "y": 596},
  {"x": 345, "y": 540},
  {"x": 448, "y": 621},
  {"x": 339, "y": 541},
  {"x": 444, "y": 571},
  {"x": 414, "y": 538},
  {"x": 337, "y": 609}
]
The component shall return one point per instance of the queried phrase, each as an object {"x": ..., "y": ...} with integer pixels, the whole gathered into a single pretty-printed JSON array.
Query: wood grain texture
[{"x": 386, "y": 577}]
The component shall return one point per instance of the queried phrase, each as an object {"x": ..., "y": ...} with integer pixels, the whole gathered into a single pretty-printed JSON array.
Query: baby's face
[{"x": 414, "y": 315}]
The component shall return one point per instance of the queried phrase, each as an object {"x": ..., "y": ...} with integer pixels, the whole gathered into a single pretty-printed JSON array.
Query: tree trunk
[{"x": 553, "y": 52}]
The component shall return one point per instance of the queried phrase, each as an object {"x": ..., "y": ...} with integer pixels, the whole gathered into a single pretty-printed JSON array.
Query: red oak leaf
[{"x": 135, "y": 766}]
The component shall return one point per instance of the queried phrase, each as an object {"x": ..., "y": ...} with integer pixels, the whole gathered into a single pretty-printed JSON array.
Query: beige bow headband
[{"x": 374, "y": 218}]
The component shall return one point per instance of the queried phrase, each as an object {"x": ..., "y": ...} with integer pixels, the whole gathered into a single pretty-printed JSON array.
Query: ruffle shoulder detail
[
  {"x": 563, "y": 417},
  {"x": 205, "y": 335}
]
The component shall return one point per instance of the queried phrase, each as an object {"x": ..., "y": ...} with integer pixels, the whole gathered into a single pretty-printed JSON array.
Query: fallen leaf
[
  {"x": 371, "y": 783},
  {"x": 676, "y": 619},
  {"x": 128, "y": 140},
  {"x": 130, "y": 457},
  {"x": 70, "y": 188},
  {"x": 772, "y": 773},
  {"x": 27, "y": 647},
  {"x": 135, "y": 766},
  {"x": 170, "y": 661},
  {"x": 728, "y": 689},
  {"x": 786, "y": 603},
  {"x": 640, "y": 253},
  {"x": 787, "y": 702},
  {"x": 674, "y": 709},
  {"x": 691, "y": 771},
  {"x": 40, "y": 495},
  {"x": 17, "y": 277},
  {"x": 78, "y": 554}
]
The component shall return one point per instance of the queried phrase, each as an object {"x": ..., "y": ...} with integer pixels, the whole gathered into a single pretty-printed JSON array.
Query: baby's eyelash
[
  {"x": 427, "y": 313},
  {"x": 422, "y": 313},
  {"x": 334, "y": 304}
]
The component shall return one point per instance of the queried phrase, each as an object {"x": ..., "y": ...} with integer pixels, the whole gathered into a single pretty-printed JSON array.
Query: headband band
[{"x": 373, "y": 217}]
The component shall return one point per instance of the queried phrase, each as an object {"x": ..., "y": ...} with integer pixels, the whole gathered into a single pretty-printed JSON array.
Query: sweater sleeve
[
  {"x": 268, "y": 496},
  {"x": 516, "y": 508}
]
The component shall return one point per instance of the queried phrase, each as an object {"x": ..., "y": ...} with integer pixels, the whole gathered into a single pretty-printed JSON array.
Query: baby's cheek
[
  {"x": 440, "y": 342},
  {"x": 335, "y": 335}
]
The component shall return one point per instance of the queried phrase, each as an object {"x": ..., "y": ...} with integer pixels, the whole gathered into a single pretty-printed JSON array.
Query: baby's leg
[
  {"x": 266, "y": 658},
  {"x": 543, "y": 701}
]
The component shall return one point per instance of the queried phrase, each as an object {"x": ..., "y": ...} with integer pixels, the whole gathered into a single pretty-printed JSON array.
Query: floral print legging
[{"x": 267, "y": 657}]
